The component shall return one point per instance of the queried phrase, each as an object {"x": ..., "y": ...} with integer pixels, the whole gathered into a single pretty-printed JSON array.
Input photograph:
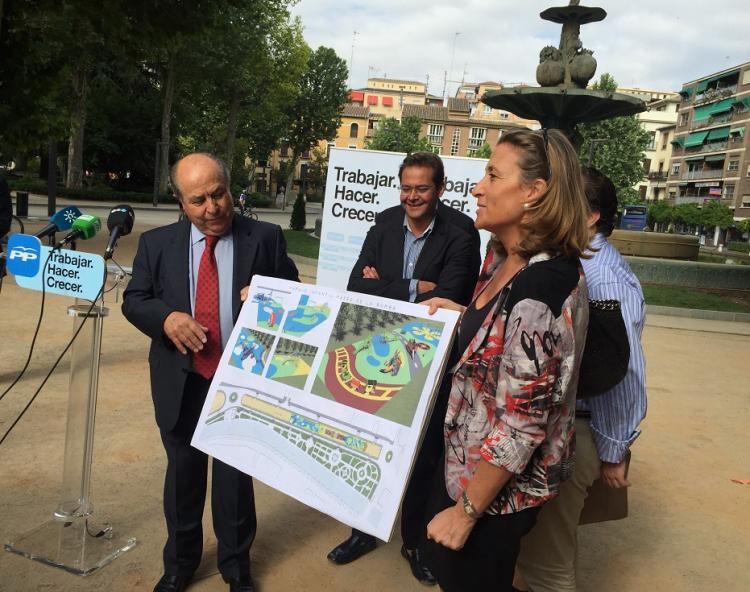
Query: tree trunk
[
  {"x": 288, "y": 193},
  {"x": 234, "y": 114},
  {"x": 74, "y": 177},
  {"x": 166, "y": 123}
]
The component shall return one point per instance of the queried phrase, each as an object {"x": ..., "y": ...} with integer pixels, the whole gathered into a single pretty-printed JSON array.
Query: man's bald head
[
  {"x": 197, "y": 159},
  {"x": 201, "y": 183}
]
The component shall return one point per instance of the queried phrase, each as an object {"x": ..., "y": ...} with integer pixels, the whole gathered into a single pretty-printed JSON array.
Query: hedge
[{"x": 91, "y": 194}]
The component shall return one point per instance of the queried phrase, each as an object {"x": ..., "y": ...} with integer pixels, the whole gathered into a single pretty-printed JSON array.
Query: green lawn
[
  {"x": 680, "y": 297},
  {"x": 299, "y": 242}
]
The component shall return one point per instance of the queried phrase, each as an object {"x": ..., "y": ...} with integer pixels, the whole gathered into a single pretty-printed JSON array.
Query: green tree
[
  {"x": 714, "y": 213},
  {"x": 621, "y": 157},
  {"x": 317, "y": 170},
  {"x": 33, "y": 86},
  {"x": 298, "y": 219},
  {"x": 393, "y": 135},
  {"x": 744, "y": 227},
  {"x": 315, "y": 113},
  {"x": 688, "y": 214},
  {"x": 484, "y": 152},
  {"x": 660, "y": 214}
]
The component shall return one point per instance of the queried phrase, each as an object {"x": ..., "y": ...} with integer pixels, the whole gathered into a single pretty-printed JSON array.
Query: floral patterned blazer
[{"x": 512, "y": 400}]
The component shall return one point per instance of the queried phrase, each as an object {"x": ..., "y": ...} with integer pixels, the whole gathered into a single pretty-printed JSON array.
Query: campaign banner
[
  {"x": 64, "y": 272},
  {"x": 324, "y": 395},
  {"x": 362, "y": 183}
]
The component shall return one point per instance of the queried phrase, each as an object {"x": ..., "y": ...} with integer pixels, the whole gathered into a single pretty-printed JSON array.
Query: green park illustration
[
  {"x": 291, "y": 362},
  {"x": 377, "y": 361}
]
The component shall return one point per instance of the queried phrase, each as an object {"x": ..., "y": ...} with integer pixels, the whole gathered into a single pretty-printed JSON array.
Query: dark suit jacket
[
  {"x": 160, "y": 286},
  {"x": 446, "y": 260},
  {"x": 451, "y": 215}
]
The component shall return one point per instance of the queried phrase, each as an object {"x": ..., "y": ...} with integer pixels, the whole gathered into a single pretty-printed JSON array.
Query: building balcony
[
  {"x": 713, "y": 94},
  {"x": 435, "y": 140},
  {"x": 657, "y": 176},
  {"x": 683, "y": 199},
  {"x": 707, "y": 174},
  {"x": 710, "y": 147},
  {"x": 717, "y": 119},
  {"x": 476, "y": 144}
]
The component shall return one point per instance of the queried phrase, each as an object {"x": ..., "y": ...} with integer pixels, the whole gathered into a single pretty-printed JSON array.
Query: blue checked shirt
[
  {"x": 413, "y": 246},
  {"x": 616, "y": 414}
]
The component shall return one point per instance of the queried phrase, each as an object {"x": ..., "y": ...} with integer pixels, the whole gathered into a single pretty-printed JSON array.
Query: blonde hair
[{"x": 557, "y": 221}]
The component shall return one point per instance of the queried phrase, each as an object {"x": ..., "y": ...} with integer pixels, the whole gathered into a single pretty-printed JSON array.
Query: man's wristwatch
[{"x": 469, "y": 508}]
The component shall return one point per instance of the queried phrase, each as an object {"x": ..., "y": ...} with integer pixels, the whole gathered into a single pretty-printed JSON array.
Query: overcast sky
[{"x": 656, "y": 45}]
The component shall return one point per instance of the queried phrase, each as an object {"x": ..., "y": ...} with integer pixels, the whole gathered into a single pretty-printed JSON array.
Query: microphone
[
  {"x": 59, "y": 222},
  {"x": 120, "y": 223},
  {"x": 85, "y": 227}
]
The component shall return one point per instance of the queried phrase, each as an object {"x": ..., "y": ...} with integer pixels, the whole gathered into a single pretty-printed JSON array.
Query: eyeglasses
[{"x": 419, "y": 189}]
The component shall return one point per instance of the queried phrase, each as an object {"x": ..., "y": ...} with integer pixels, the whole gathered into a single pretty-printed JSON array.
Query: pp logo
[{"x": 23, "y": 255}]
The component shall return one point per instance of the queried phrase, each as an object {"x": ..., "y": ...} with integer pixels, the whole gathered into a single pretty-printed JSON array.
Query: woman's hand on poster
[{"x": 435, "y": 303}]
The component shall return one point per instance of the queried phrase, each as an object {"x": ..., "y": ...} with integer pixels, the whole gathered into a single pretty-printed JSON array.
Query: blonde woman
[{"x": 509, "y": 427}]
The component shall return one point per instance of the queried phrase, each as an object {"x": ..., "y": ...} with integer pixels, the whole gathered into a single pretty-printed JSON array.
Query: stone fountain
[{"x": 562, "y": 100}]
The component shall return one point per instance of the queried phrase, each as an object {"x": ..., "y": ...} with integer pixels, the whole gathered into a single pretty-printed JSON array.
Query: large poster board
[
  {"x": 323, "y": 395},
  {"x": 362, "y": 183}
]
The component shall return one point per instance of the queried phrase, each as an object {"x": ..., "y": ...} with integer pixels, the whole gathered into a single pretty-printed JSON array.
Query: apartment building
[
  {"x": 710, "y": 145},
  {"x": 386, "y": 97},
  {"x": 480, "y": 112},
  {"x": 452, "y": 131},
  {"x": 659, "y": 121}
]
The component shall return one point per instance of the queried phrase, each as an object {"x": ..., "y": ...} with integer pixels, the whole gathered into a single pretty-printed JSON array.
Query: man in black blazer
[
  {"x": 160, "y": 300},
  {"x": 416, "y": 251},
  {"x": 464, "y": 222}
]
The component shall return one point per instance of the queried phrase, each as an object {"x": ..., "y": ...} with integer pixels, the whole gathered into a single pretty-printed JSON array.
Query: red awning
[
  {"x": 387, "y": 101},
  {"x": 372, "y": 99},
  {"x": 357, "y": 96}
]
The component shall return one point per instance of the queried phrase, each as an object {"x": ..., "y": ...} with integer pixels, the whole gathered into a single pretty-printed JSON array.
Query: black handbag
[{"x": 607, "y": 351}]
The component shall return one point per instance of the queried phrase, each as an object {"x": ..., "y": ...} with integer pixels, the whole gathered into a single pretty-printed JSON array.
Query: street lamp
[{"x": 592, "y": 148}]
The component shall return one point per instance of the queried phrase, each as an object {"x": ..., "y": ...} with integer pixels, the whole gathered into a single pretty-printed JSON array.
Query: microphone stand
[{"x": 70, "y": 540}]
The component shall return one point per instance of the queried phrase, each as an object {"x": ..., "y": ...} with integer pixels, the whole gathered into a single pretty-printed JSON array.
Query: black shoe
[
  {"x": 352, "y": 548},
  {"x": 418, "y": 569},
  {"x": 172, "y": 583},
  {"x": 240, "y": 584}
]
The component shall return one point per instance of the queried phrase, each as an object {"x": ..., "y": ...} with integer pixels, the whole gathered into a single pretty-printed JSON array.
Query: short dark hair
[
  {"x": 602, "y": 197},
  {"x": 429, "y": 160}
]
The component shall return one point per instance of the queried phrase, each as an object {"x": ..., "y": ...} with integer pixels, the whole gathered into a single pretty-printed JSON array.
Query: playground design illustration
[
  {"x": 377, "y": 361},
  {"x": 251, "y": 350},
  {"x": 306, "y": 317},
  {"x": 291, "y": 362},
  {"x": 347, "y": 457},
  {"x": 270, "y": 310}
]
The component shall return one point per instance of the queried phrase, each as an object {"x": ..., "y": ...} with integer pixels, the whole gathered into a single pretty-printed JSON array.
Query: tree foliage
[
  {"x": 315, "y": 113},
  {"x": 714, "y": 213},
  {"x": 221, "y": 76},
  {"x": 298, "y": 219},
  {"x": 484, "y": 152},
  {"x": 621, "y": 156},
  {"x": 393, "y": 135}
]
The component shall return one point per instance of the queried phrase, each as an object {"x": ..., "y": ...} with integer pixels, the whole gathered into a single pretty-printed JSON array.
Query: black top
[{"x": 471, "y": 321}]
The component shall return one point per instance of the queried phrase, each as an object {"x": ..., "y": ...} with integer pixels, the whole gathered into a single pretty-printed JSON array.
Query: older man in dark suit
[
  {"x": 188, "y": 282},
  {"x": 415, "y": 251}
]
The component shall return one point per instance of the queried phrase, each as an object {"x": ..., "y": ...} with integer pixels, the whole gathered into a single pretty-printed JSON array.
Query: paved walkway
[{"x": 687, "y": 530}]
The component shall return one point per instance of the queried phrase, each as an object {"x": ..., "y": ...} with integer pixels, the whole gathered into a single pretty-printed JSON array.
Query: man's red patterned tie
[{"x": 207, "y": 311}]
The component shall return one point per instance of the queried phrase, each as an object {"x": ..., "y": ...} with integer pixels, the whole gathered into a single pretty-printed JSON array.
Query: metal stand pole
[{"x": 70, "y": 540}]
